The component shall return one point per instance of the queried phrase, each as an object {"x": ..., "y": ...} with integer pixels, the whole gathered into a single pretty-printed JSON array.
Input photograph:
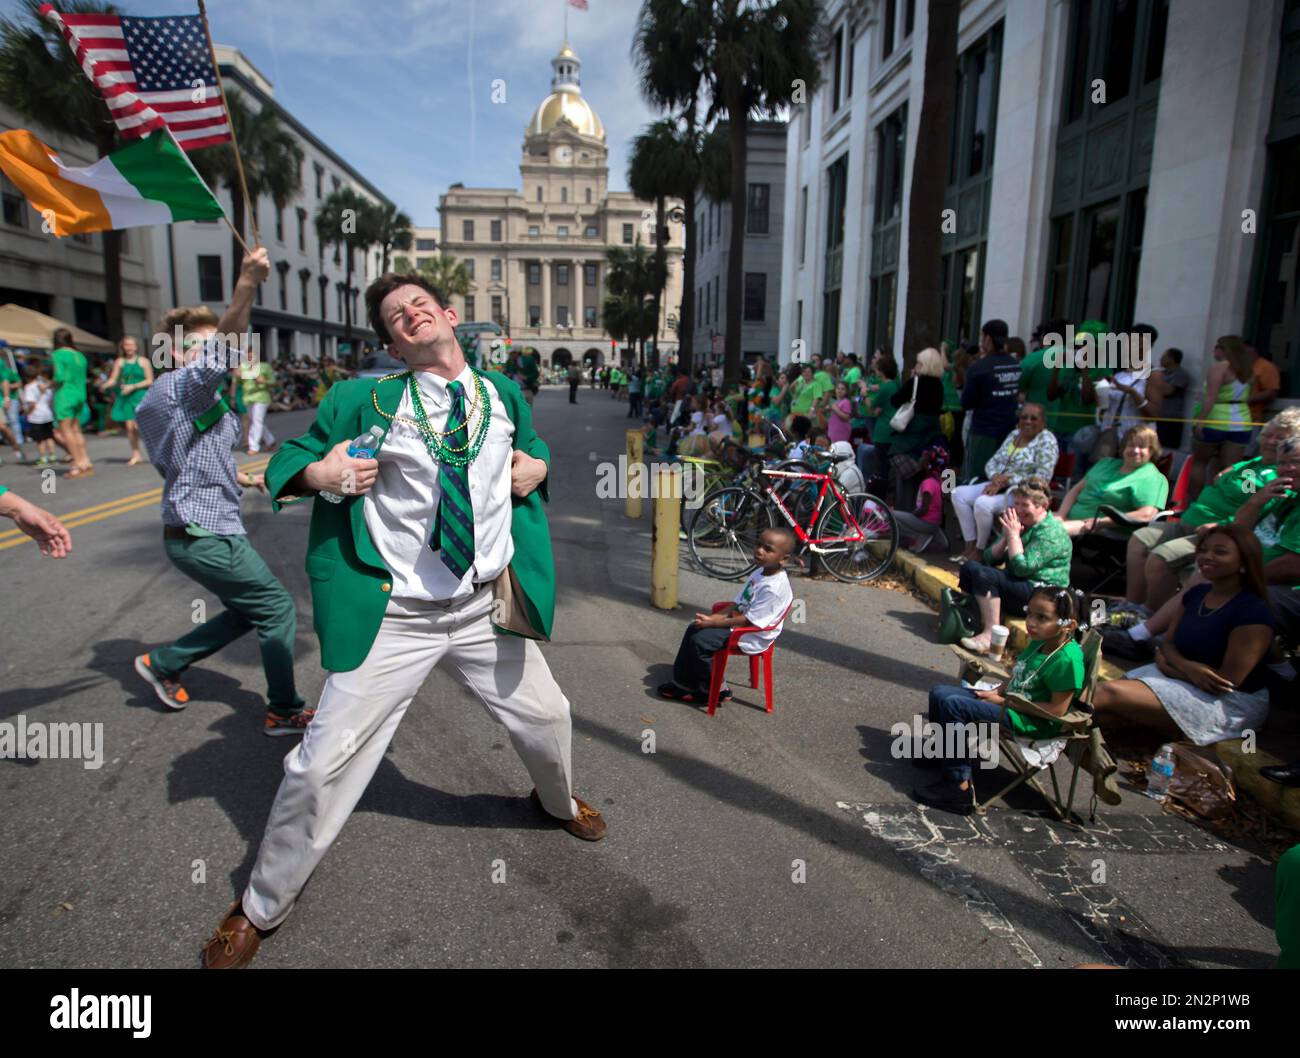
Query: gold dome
[{"x": 570, "y": 105}]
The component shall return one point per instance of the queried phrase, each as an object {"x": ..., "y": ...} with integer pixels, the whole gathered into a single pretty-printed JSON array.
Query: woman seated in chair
[
  {"x": 1133, "y": 485},
  {"x": 1049, "y": 672},
  {"x": 1028, "y": 452},
  {"x": 1033, "y": 549},
  {"x": 1159, "y": 553},
  {"x": 1272, "y": 514},
  {"x": 1208, "y": 682}
]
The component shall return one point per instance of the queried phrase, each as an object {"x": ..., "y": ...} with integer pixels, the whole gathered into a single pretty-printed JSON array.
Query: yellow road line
[{"x": 111, "y": 508}]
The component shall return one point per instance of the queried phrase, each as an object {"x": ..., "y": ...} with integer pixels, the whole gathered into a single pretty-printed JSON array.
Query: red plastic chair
[{"x": 733, "y": 647}]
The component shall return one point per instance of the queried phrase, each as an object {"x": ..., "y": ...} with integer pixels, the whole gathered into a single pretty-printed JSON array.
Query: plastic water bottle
[
  {"x": 363, "y": 447},
  {"x": 1161, "y": 773}
]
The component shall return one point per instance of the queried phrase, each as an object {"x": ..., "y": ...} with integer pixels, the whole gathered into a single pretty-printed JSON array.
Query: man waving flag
[{"x": 153, "y": 73}]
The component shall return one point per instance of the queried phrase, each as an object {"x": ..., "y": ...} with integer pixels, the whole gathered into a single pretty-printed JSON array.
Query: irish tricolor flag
[{"x": 149, "y": 182}]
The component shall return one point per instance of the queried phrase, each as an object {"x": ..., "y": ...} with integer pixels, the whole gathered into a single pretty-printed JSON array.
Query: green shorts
[
  {"x": 1172, "y": 542},
  {"x": 69, "y": 407}
]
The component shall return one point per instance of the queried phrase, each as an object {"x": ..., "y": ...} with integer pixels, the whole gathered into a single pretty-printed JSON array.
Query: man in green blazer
[{"x": 435, "y": 551}]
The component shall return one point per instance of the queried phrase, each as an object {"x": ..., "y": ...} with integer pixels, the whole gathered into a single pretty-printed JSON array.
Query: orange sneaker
[
  {"x": 293, "y": 724},
  {"x": 169, "y": 691}
]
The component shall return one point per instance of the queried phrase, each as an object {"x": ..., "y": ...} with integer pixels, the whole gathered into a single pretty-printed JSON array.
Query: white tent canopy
[{"x": 29, "y": 329}]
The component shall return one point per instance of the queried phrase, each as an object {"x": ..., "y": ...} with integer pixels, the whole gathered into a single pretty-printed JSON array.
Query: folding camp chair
[{"x": 1085, "y": 749}]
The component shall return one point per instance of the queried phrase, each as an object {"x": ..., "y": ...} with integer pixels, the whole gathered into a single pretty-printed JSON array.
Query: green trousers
[
  {"x": 1287, "y": 911},
  {"x": 979, "y": 450},
  {"x": 228, "y": 567}
]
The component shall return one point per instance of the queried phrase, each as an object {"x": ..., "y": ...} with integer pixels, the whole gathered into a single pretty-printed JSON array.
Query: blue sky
[{"x": 402, "y": 89}]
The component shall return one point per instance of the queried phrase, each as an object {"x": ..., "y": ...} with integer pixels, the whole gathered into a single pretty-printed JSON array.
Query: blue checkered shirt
[{"x": 198, "y": 467}]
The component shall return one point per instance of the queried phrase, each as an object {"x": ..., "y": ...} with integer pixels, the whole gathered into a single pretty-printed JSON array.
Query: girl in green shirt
[{"x": 1049, "y": 673}]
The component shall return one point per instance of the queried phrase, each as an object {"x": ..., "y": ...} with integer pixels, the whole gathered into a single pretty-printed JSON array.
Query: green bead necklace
[{"x": 451, "y": 455}]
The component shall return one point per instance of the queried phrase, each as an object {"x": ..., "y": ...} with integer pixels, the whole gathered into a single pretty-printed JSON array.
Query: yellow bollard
[
  {"x": 666, "y": 522},
  {"x": 634, "y": 474}
]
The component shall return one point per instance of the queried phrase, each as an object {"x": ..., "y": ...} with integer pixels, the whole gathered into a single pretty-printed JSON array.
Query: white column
[
  {"x": 547, "y": 321},
  {"x": 1207, "y": 166},
  {"x": 578, "y": 278},
  {"x": 1034, "y": 46}
]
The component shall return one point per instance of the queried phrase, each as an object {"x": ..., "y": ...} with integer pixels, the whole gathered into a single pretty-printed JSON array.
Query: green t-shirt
[
  {"x": 1107, "y": 483},
  {"x": 824, "y": 382},
  {"x": 1037, "y": 676},
  {"x": 70, "y": 373},
  {"x": 8, "y": 374},
  {"x": 853, "y": 375},
  {"x": 804, "y": 393},
  {"x": 881, "y": 432},
  {"x": 1070, "y": 412},
  {"x": 255, "y": 382},
  {"x": 1220, "y": 500},
  {"x": 951, "y": 394},
  {"x": 1035, "y": 377},
  {"x": 1278, "y": 530}
]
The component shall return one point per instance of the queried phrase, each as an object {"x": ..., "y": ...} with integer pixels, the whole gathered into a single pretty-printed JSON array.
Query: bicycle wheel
[
  {"x": 725, "y": 530},
  {"x": 862, "y": 556}
]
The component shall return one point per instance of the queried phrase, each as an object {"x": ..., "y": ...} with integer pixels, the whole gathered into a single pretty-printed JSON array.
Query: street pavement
[{"x": 745, "y": 839}]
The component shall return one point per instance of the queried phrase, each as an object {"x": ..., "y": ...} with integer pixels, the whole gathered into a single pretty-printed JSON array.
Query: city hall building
[
  {"x": 1121, "y": 160},
  {"x": 536, "y": 256}
]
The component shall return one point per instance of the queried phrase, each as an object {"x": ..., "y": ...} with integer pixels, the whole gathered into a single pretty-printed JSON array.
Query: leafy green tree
[
  {"x": 392, "y": 229},
  {"x": 346, "y": 220},
  {"x": 272, "y": 160}
]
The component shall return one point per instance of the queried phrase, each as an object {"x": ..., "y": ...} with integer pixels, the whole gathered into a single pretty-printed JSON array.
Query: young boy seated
[{"x": 762, "y": 603}]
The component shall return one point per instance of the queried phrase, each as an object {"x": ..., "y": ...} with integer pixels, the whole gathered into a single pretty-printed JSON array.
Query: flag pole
[{"x": 234, "y": 141}]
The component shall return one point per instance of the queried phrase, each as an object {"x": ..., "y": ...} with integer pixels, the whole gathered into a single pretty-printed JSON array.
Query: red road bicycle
[{"x": 853, "y": 535}]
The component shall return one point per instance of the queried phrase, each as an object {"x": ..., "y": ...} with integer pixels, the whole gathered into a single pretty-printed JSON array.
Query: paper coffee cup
[{"x": 999, "y": 634}]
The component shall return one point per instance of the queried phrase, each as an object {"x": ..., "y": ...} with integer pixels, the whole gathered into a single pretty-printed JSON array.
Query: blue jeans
[{"x": 951, "y": 704}]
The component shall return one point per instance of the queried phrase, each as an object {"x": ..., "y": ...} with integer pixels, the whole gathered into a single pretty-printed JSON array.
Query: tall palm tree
[
  {"x": 631, "y": 281},
  {"x": 924, "y": 295},
  {"x": 760, "y": 57},
  {"x": 669, "y": 52},
  {"x": 392, "y": 230},
  {"x": 661, "y": 166},
  {"x": 40, "y": 79},
  {"x": 345, "y": 220},
  {"x": 445, "y": 272},
  {"x": 272, "y": 160}
]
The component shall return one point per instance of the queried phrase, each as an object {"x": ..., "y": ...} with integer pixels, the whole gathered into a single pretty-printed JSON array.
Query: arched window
[
  {"x": 539, "y": 192},
  {"x": 589, "y": 196}
]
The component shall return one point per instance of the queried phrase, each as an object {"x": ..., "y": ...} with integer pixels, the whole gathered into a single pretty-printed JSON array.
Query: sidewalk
[{"x": 1278, "y": 743}]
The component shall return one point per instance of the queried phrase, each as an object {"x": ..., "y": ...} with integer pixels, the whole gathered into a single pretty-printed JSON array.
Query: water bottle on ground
[
  {"x": 363, "y": 447},
  {"x": 1161, "y": 773}
]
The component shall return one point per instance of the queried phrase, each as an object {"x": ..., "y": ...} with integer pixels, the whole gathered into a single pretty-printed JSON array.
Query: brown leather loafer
[
  {"x": 234, "y": 944},
  {"x": 588, "y": 824}
]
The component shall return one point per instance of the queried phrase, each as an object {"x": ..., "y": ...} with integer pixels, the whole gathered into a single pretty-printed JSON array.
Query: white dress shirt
[{"x": 401, "y": 505}]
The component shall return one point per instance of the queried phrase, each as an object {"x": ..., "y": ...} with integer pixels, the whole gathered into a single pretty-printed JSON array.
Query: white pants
[
  {"x": 976, "y": 512},
  {"x": 329, "y": 770},
  {"x": 258, "y": 431}
]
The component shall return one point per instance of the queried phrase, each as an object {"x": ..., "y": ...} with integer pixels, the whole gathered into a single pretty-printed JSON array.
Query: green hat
[{"x": 1093, "y": 327}]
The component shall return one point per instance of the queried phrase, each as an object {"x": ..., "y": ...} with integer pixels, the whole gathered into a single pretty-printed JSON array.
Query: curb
[{"x": 1280, "y": 802}]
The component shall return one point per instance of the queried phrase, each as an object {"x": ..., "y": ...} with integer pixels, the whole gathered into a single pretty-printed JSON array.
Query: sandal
[{"x": 80, "y": 472}]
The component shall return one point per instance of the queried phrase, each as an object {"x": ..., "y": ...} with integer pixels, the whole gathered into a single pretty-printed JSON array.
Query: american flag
[
  {"x": 152, "y": 73},
  {"x": 581, "y": 5}
]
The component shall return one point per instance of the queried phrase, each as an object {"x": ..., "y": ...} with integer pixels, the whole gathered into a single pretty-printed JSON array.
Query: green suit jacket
[{"x": 350, "y": 585}]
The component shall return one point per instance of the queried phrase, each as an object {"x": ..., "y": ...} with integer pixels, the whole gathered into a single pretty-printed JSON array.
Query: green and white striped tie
[{"x": 453, "y": 528}]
